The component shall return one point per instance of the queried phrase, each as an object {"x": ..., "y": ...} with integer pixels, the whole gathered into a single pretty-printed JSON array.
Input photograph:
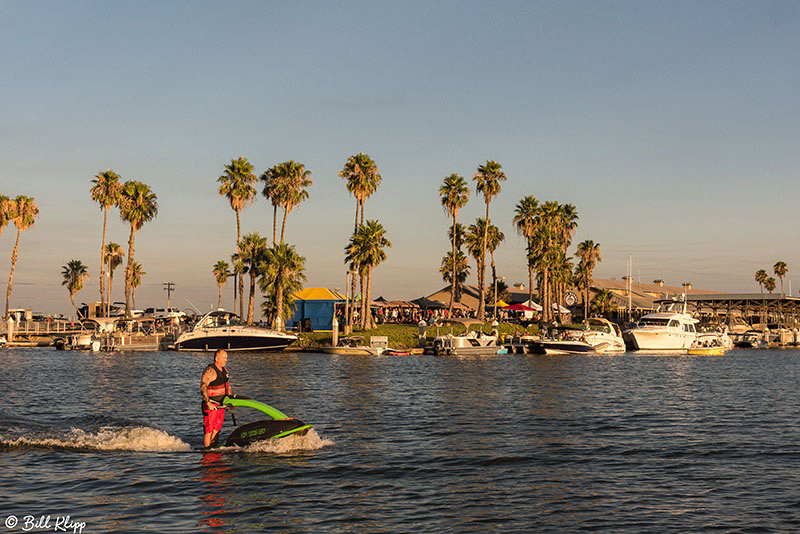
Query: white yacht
[
  {"x": 603, "y": 335},
  {"x": 670, "y": 327},
  {"x": 222, "y": 330}
]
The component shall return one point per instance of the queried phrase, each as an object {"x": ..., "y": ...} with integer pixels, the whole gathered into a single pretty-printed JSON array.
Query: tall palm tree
[
  {"x": 75, "y": 274},
  {"x": 473, "y": 239},
  {"x": 589, "y": 254},
  {"x": 273, "y": 191},
  {"x": 297, "y": 180},
  {"x": 781, "y": 269},
  {"x": 113, "y": 257},
  {"x": 138, "y": 205},
  {"x": 23, "y": 211},
  {"x": 237, "y": 185},
  {"x": 284, "y": 274},
  {"x": 252, "y": 251},
  {"x": 221, "y": 272},
  {"x": 365, "y": 251},
  {"x": 526, "y": 220},
  {"x": 106, "y": 192},
  {"x": 488, "y": 178},
  {"x": 362, "y": 179},
  {"x": 136, "y": 279},
  {"x": 495, "y": 237},
  {"x": 454, "y": 195}
]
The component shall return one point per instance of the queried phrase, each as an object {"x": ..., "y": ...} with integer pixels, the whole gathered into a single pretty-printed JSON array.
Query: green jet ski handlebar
[{"x": 250, "y": 403}]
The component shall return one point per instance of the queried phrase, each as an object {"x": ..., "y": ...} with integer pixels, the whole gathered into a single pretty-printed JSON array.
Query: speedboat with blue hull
[
  {"x": 223, "y": 330},
  {"x": 279, "y": 425}
]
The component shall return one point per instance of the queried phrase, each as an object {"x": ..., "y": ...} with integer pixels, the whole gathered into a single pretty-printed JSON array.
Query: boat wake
[
  {"x": 311, "y": 441},
  {"x": 107, "y": 438}
]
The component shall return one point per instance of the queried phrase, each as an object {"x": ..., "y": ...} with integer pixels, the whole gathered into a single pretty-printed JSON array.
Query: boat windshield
[
  {"x": 215, "y": 321},
  {"x": 654, "y": 321}
]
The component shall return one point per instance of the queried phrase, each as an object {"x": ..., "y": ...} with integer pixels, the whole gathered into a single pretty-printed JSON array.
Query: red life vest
[{"x": 218, "y": 388}]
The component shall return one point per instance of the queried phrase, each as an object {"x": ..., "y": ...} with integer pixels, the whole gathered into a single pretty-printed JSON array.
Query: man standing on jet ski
[{"x": 214, "y": 385}]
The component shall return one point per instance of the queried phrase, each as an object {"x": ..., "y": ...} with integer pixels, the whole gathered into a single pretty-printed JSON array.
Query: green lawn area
[{"x": 403, "y": 335}]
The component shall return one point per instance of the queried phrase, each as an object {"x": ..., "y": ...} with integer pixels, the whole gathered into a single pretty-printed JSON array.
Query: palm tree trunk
[
  {"x": 103, "y": 263},
  {"x": 277, "y": 322},
  {"x": 283, "y": 225},
  {"x": 219, "y": 300},
  {"x": 586, "y": 299},
  {"x": 494, "y": 284},
  {"x": 11, "y": 274},
  {"x": 274, "y": 223},
  {"x": 530, "y": 285},
  {"x": 241, "y": 278},
  {"x": 482, "y": 268},
  {"x": 370, "y": 323},
  {"x": 110, "y": 282},
  {"x": 252, "y": 300},
  {"x": 453, "y": 278},
  {"x": 544, "y": 297},
  {"x": 72, "y": 299},
  {"x": 129, "y": 275},
  {"x": 364, "y": 304}
]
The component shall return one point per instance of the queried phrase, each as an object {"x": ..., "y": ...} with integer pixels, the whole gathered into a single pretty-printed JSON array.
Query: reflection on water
[{"x": 514, "y": 443}]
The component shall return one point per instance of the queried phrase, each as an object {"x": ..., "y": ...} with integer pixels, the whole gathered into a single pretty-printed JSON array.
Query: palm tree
[
  {"x": 365, "y": 251},
  {"x": 589, "y": 254},
  {"x": 284, "y": 274},
  {"x": 74, "y": 273},
  {"x": 23, "y": 211},
  {"x": 297, "y": 180},
  {"x": 136, "y": 279},
  {"x": 454, "y": 195},
  {"x": 138, "y": 205},
  {"x": 781, "y": 269},
  {"x": 602, "y": 301},
  {"x": 236, "y": 184},
  {"x": 4, "y": 218},
  {"x": 525, "y": 220},
  {"x": 488, "y": 178},
  {"x": 113, "y": 257},
  {"x": 273, "y": 191},
  {"x": 460, "y": 269},
  {"x": 252, "y": 251},
  {"x": 769, "y": 284},
  {"x": 473, "y": 239},
  {"x": 761, "y": 278},
  {"x": 495, "y": 237},
  {"x": 362, "y": 177},
  {"x": 221, "y": 272},
  {"x": 106, "y": 192}
]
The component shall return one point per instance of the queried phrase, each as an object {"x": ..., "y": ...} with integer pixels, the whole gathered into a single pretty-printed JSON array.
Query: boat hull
[
  {"x": 561, "y": 347},
  {"x": 214, "y": 342},
  {"x": 654, "y": 340}
]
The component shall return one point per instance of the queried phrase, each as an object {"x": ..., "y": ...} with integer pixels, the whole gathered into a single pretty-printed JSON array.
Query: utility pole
[{"x": 169, "y": 287}]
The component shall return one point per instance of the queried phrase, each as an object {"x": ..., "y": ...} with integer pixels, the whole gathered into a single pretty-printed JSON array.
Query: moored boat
[
  {"x": 670, "y": 327},
  {"x": 221, "y": 329},
  {"x": 603, "y": 335},
  {"x": 563, "y": 341}
]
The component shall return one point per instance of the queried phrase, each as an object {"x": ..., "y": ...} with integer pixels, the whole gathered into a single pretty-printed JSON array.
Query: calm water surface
[{"x": 510, "y": 443}]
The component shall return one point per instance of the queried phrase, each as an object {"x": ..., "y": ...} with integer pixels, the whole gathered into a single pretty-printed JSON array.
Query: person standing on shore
[{"x": 214, "y": 386}]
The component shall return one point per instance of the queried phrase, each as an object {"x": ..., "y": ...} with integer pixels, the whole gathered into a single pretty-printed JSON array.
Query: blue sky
[{"x": 671, "y": 126}]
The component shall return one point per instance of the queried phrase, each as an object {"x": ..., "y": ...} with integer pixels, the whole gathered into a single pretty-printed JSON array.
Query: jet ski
[{"x": 278, "y": 426}]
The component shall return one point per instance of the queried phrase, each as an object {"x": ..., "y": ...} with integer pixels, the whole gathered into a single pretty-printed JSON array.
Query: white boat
[
  {"x": 670, "y": 327},
  {"x": 223, "y": 330},
  {"x": 469, "y": 343},
  {"x": 603, "y": 335},
  {"x": 563, "y": 341},
  {"x": 715, "y": 336}
]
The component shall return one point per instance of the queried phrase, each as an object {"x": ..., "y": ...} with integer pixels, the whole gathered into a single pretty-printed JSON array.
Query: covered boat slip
[{"x": 752, "y": 308}]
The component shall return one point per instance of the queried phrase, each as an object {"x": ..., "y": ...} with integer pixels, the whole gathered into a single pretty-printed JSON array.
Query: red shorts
[{"x": 212, "y": 419}]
